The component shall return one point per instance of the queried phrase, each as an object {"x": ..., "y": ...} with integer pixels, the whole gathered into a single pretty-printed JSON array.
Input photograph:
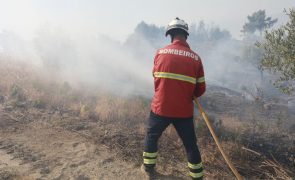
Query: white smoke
[
  {"x": 98, "y": 61},
  {"x": 125, "y": 68}
]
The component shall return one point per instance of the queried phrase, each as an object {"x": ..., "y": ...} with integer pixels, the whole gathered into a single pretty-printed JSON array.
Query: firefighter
[{"x": 178, "y": 79}]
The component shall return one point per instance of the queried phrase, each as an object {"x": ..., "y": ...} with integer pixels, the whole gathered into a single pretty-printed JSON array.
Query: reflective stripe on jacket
[{"x": 178, "y": 77}]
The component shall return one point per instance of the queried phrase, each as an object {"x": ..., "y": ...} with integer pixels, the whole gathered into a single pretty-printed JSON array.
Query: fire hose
[{"x": 210, "y": 127}]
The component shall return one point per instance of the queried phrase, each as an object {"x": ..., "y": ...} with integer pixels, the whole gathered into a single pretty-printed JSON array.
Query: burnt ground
[
  {"x": 39, "y": 142},
  {"x": 40, "y": 145}
]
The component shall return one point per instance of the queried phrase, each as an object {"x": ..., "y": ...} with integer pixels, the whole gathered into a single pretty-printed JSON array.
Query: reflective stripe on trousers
[
  {"x": 150, "y": 159},
  {"x": 196, "y": 170}
]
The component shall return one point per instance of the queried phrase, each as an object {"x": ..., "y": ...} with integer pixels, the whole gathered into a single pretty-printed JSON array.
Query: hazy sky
[{"x": 118, "y": 19}]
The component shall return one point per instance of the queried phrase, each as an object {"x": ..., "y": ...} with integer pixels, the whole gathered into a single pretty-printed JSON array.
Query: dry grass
[{"x": 118, "y": 123}]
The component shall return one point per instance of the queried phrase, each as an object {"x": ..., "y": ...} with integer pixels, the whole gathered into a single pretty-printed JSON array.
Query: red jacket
[{"x": 178, "y": 77}]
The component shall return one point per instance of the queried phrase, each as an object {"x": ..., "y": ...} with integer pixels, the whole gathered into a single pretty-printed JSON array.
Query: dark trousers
[{"x": 185, "y": 129}]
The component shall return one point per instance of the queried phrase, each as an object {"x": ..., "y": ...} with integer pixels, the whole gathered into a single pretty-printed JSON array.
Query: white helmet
[{"x": 177, "y": 24}]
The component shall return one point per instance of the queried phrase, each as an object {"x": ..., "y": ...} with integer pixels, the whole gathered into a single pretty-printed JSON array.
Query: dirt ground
[
  {"x": 50, "y": 130},
  {"x": 56, "y": 142},
  {"x": 39, "y": 149}
]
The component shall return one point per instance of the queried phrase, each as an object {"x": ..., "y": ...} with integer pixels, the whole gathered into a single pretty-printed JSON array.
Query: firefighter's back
[{"x": 175, "y": 71}]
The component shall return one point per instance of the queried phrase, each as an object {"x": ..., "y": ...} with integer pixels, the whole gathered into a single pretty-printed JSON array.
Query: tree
[
  {"x": 279, "y": 54},
  {"x": 258, "y": 21},
  {"x": 216, "y": 34}
]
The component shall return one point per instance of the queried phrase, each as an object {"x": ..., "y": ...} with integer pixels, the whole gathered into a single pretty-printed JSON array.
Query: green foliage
[
  {"x": 279, "y": 54},
  {"x": 15, "y": 90},
  {"x": 258, "y": 21},
  {"x": 17, "y": 93},
  {"x": 39, "y": 103}
]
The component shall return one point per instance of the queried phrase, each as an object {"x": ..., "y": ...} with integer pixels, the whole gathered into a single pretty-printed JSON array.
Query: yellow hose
[{"x": 229, "y": 163}]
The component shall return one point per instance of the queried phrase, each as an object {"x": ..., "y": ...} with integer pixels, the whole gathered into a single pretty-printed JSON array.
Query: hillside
[{"x": 52, "y": 129}]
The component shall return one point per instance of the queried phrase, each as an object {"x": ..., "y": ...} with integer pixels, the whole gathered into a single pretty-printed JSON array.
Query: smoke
[
  {"x": 125, "y": 68},
  {"x": 94, "y": 61}
]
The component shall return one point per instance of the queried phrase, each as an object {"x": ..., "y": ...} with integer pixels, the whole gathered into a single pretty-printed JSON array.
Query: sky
[{"x": 117, "y": 19}]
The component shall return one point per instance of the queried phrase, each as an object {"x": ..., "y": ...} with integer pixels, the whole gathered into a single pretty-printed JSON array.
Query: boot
[{"x": 149, "y": 173}]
